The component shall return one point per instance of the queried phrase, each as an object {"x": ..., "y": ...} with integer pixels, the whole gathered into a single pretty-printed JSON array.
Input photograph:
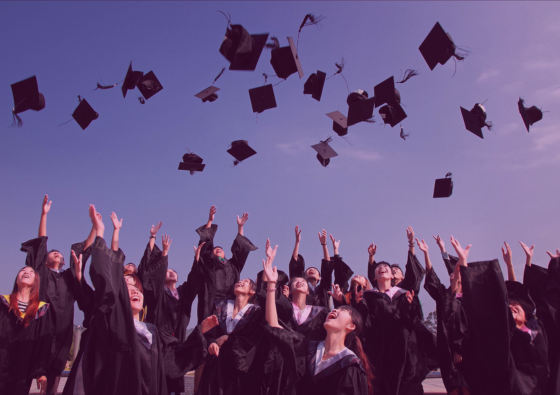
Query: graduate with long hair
[{"x": 25, "y": 336}]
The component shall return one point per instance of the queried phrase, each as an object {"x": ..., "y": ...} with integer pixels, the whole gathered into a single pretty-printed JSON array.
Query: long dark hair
[
  {"x": 33, "y": 303},
  {"x": 353, "y": 343}
]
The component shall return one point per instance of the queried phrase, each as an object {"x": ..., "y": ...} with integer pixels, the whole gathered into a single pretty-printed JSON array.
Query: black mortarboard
[
  {"x": 360, "y": 108},
  {"x": 131, "y": 79},
  {"x": 340, "y": 123},
  {"x": 530, "y": 115},
  {"x": 285, "y": 60},
  {"x": 149, "y": 85},
  {"x": 475, "y": 119},
  {"x": 262, "y": 98},
  {"x": 208, "y": 94},
  {"x": 27, "y": 96},
  {"x": 386, "y": 92},
  {"x": 242, "y": 49},
  {"x": 451, "y": 263},
  {"x": 438, "y": 47},
  {"x": 519, "y": 293},
  {"x": 240, "y": 150},
  {"x": 191, "y": 162},
  {"x": 443, "y": 187},
  {"x": 84, "y": 114},
  {"x": 314, "y": 85},
  {"x": 324, "y": 152},
  {"x": 392, "y": 114}
]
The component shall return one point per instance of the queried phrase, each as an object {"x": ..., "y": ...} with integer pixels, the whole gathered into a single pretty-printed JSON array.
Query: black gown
[
  {"x": 491, "y": 326},
  {"x": 24, "y": 351},
  {"x": 452, "y": 332},
  {"x": 239, "y": 367},
  {"x": 318, "y": 296},
  {"x": 167, "y": 313},
  {"x": 218, "y": 278},
  {"x": 544, "y": 288},
  {"x": 59, "y": 290},
  {"x": 117, "y": 359}
]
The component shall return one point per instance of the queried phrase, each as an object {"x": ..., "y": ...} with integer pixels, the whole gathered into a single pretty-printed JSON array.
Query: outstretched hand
[
  {"x": 271, "y": 272},
  {"x": 165, "y": 244},
  {"x": 462, "y": 253},
  {"x": 96, "y": 221},
  {"x": 197, "y": 251},
  {"x": 213, "y": 210},
  {"x": 46, "y": 205},
  {"x": 323, "y": 237},
  {"x": 439, "y": 242},
  {"x": 116, "y": 223},
  {"x": 528, "y": 251},
  {"x": 286, "y": 291},
  {"x": 506, "y": 252},
  {"x": 270, "y": 252},
  {"x": 372, "y": 249},
  {"x": 77, "y": 262},
  {"x": 410, "y": 296},
  {"x": 554, "y": 256},
  {"x": 298, "y": 234},
  {"x": 155, "y": 229},
  {"x": 410, "y": 235},
  {"x": 208, "y": 323},
  {"x": 422, "y": 245},
  {"x": 241, "y": 221},
  {"x": 335, "y": 244},
  {"x": 336, "y": 293}
]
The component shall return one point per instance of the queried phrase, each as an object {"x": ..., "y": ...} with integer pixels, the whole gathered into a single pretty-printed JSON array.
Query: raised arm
[
  {"x": 272, "y": 278},
  {"x": 44, "y": 211},
  {"x": 424, "y": 248},
  {"x": 117, "y": 225},
  {"x": 241, "y": 221},
  {"x": 440, "y": 243},
  {"x": 296, "y": 246},
  {"x": 506, "y": 252},
  {"x": 241, "y": 246},
  {"x": 342, "y": 272},
  {"x": 372, "y": 249},
  {"x": 462, "y": 253},
  {"x": 410, "y": 237},
  {"x": 153, "y": 233},
  {"x": 323, "y": 241},
  {"x": 528, "y": 253},
  {"x": 213, "y": 210}
]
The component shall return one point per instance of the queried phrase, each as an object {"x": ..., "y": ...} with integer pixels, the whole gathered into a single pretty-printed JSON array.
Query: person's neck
[
  {"x": 52, "y": 266},
  {"x": 383, "y": 285},
  {"x": 23, "y": 294},
  {"x": 299, "y": 299},
  {"x": 313, "y": 281},
  {"x": 239, "y": 303},
  {"x": 334, "y": 343},
  {"x": 136, "y": 315},
  {"x": 170, "y": 285},
  {"x": 519, "y": 325}
]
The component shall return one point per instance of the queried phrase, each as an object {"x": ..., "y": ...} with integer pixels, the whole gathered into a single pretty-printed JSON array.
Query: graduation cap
[
  {"x": 443, "y": 187},
  {"x": 360, "y": 108},
  {"x": 26, "y": 97},
  {"x": 131, "y": 79},
  {"x": 191, "y": 162},
  {"x": 475, "y": 119},
  {"x": 84, "y": 114},
  {"x": 340, "y": 123},
  {"x": 285, "y": 60},
  {"x": 314, "y": 85},
  {"x": 386, "y": 92},
  {"x": 149, "y": 85},
  {"x": 242, "y": 49},
  {"x": 438, "y": 47},
  {"x": 262, "y": 98},
  {"x": 392, "y": 114},
  {"x": 530, "y": 115},
  {"x": 324, "y": 152},
  {"x": 240, "y": 150},
  {"x": 519, "y": 293},
  {"x": 208, "y": 94}
]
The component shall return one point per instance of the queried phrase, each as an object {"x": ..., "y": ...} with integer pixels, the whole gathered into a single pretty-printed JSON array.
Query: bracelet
[
  {"x": 411, "y": 244},
  {"x": 323, "y": 244},
  {"x": 271, "y": 289},
  {"x": 152, "y": 237}
]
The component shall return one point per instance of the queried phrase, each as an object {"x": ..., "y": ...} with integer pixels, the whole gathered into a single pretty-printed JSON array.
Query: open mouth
[
  {"x": 332, "y": 315},
  {"x": 299, "y": 285},
  {"x": 135, "y": 299},
  {"x": 25, "y": 276},
  {"x": 239, "y": 285}
]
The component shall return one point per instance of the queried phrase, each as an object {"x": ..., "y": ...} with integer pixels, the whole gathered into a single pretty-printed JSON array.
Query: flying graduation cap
[
  {"x": 147, "y": 84},
  {"x": 324, "y": 152},
  {"x": 314, "y": 85},
  {"x": 262, "y": 98},
  {"x": 438, "y": 47},
  {"x": 209, "y": 94},
  {"x": 285, "y": 60},
  {"x": 387, "y": 93},
  {"x": 360, "y": 107},
  {"x": 443, "y": 187},
  {"x": 191, "y": 162},
  {"x": 26, "y": 97},
  {"x": 84, "y": 114},
  {"x": 475, "y": 119},
  {"x": 242, "y": 49},
  {"x": 240, "y": 150},
  {"x": 340, "y": 123},
  {"x": 530, "y": 115}
]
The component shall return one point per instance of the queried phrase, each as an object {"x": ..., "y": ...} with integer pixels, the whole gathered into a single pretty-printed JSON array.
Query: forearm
[
  {"x": 511, "y": 272},
  {"x": 152, "y": 242},
  {"x": 115, "y": 240},
  {"x": 43, "y": 225},
  {"x": 90, "y": 238},
  {"x": 326, "y": 256},
  {"x": 529, "y": 260},
  {"x": 240, "y": 229},
  {"x": 296, "y": 251},
  {"x": 427, "y": 261},
  {"x": 411, "y": 247},
  {"x": 371, "y": 259},
  {"x": 271, "y": 314}
]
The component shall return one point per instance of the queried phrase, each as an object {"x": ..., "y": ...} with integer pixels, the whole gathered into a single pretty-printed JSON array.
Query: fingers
[{"x": 549, "y": 254}]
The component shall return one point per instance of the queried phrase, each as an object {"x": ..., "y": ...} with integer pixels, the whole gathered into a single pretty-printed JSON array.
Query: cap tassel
[
  {"x": 228, "y": 17},
  {"x": 403, "y": 134},
  {"x": 274, "y": 44},
  {"x": 309, "y": 20},
  {"x": 408, "y": 74},
  {"x": 17, "y": 122},
  {"x": 340, "y": 66},
  {"x": 219, "y": 75},
  {"x": 99, "y": 86},
  {"x": 141, "y": 100}
]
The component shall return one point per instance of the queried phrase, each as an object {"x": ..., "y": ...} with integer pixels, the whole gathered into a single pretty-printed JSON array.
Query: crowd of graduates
[{"x": 305, "y": 331}]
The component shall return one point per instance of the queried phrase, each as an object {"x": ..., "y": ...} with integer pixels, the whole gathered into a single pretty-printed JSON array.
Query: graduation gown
[
  {"x": 318, "y": 296},
  {"x": 491, "y": 326},
  {"x": 164, "y": 311},
  {"x": 544, "y": 289},
  {"x": 59, "y": 289},
  {"x": 24, "y": 351},
  {"x": 390, "y": 342},
  {"x": 239, "y": 367},
  {"x": 218, "y": 278},
  {"x": 452, "y": 332},
  {"x": 117, "y": 359}
]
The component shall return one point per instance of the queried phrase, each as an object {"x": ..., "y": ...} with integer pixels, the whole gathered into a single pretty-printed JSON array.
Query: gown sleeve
[
  {"x": 342, "y": 273},
  {"x": 371, "y": 272},
  {"x": 180, "y": 358},
  {"x": 85, "y": 295},
  {"x": 327, "y": 269},
  {"x": 433, "y": 286},
  {"x": 240, "y": 249},
  {"x": 296, "y": 268},
  {"x": 413, "y": 274},
  {"x": 152, "y": 271},
  {"x": 354, "y": 382},
  {"x": 207, "y": 236}
]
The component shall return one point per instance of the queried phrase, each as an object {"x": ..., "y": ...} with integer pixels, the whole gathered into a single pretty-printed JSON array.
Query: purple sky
[{"x": 506, "y": 186}]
